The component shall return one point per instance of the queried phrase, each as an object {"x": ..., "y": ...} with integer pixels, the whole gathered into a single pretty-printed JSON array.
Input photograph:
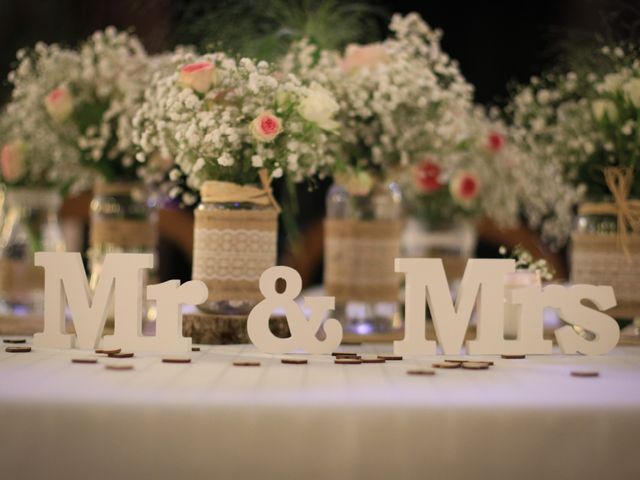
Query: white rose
[
  {"x": 602, "y": 108},
  {"x": 632, "y": 89},
  {"x": 59, "y": 104},
  {"x": 319, "y": 107}
]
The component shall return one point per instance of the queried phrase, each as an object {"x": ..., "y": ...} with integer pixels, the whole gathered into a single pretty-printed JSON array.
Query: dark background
[{"x": 495, "y": 41}]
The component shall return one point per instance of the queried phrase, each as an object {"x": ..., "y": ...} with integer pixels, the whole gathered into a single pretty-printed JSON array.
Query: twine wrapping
[
  {"x": 214, "y": 191},
  {"x": 359, "y": 260},
  {"x": 619, "y": 181},
  {"x": 232, "y": 248}
]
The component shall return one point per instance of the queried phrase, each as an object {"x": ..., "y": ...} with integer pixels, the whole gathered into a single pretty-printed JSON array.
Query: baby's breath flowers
[
  {"x": 400, "y": 100},
  {"x": 526, "y": 262},
  {"x": 226, "y": 119},
  {"x": 72, "y": 108},
  {"x": 570, "y": 127}
]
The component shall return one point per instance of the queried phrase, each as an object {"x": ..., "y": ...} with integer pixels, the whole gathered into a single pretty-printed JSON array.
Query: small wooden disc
[
  {"x": 246, "y": 364},
  {"x": 446, "y": 365},
  {"x": 346, "y": 357},
  {"x": 108, "y": 352},
  {"x": 176, "y": 360},
  {"x": 421, "y": 372},
  {"x": 121, "y": 355},
  {"x": 84, "y": 360},
  {"x": 347, "y": 361},
  {"x": 513, "y": 357},
  {"x": 195, "y": 349},
  {"x": 455, "y": 361},
  {"x": 17, "y": 349},
  {"x": 294, "y": 361},
  {"x": 390, "y": 357},
  {"x": 373, "y": 360},
  {"x": 475, "y": 365},
  {"x": 14, "y": 340},
  {"x": 584, "y": 373},
  {"x": 344, "y": 354},
  {"x": 119, "y": 367}
]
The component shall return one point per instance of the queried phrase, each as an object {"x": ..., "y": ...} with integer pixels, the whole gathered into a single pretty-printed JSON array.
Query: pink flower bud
[
  {"x": 361, "y": 56},
  {"x": 59, "y": 104},
  {"x": 495, "y": 142},
  {"x": 12, "y": 161},
  {"x": 199, "y": 77}
]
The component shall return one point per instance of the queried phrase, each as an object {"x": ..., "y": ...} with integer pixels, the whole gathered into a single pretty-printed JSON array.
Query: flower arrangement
[
  {"x": 400, "y": 100},
  {"x": 572, "y": 127},
  {"x": 525, "y": 262},
  {"x": 473, "y": 179},
  {"x": 77, "y": 104},
  {"x": 228, "y": 120}
]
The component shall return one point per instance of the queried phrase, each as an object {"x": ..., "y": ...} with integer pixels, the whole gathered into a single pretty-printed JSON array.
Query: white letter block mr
[{"x": 122, "y": 280}]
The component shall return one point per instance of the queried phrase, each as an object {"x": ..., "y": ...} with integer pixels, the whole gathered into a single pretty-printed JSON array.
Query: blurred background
[{"x": 497, "y": 43}]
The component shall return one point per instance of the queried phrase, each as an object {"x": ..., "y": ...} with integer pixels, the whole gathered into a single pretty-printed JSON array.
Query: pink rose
[
  {"x": 59, "y": 104},
  {"x": 495, "y": 142},
  {"x": 266, "y": 126},
  {"x": 12, "y": 161},
  {"x": 363, "y": 56},
  {"x": 428, "y": 176},
  {"x": 200, "y": 76},
  {"x": 464, "y": 187}
]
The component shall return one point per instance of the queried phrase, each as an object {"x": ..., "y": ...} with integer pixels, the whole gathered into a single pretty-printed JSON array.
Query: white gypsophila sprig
[
  {"x": 203, "y": 115},
  {"x": 570, "y": 127},
  {"x": 82, "y": 100},
  {"x": 397, "y": 99}
]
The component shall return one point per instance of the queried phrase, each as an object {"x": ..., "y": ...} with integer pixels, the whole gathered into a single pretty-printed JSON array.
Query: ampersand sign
[{"x": 303, "y": 331}]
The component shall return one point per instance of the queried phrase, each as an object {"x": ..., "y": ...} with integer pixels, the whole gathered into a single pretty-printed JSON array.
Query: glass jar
[
  {"x": 453, "y": 241},
  {"x": 362, "y": 240},
  {"x": 234, "y": 242},
  {"x": 30, "y": 225},
  {"x": 124, "y": 219}
]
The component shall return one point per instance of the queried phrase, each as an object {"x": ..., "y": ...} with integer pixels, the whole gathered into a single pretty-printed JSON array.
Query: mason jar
[
  {"x": 362, "y": 240},
  {"x": 123, "y": 219},
  {"x": 235, "y": 240},
  {"x": 598, "y": 256},
  {"x": 30, "y": 225}
]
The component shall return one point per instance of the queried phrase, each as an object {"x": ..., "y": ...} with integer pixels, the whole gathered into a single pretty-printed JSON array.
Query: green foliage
[{"x": 264, "y": 29}]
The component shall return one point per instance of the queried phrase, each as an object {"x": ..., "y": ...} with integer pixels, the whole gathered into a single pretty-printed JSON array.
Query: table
[{"x": 209, "y": 419}]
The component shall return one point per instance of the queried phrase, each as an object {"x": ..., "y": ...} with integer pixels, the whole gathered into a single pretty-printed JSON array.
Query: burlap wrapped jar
[
  {"x": 235, "y": 240},
  {"x": 361, "y": 241},
  {"x": 605, "y": 245}
]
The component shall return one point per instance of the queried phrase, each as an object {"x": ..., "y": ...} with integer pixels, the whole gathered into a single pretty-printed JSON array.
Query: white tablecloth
[{"x": 208, "y": 419}]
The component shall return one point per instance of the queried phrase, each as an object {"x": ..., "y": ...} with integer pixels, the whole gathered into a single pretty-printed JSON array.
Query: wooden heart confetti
[
  {"x": 446, "y": 365},
  {"x": 121, "y": 355},
  {"x": 108, "y": 352},
  {"x": 373, "y": 360},
  {"x": 246, "y": 364},
  {"x": 421, "y": 372},
  {"x": 294, "y": 361},
  {"x": 390, "y": 357},
  {"x": 513, "y": 357},
  {"x": 17, "y": 349},
  {"x": 347, "y": 361},
  {"x": 475, "y": 365},
  {"x": 176, "y": 360},
  {"x": 119, "y": 367},
  {"x": 584, "y": 373},
  {"x": 84, "y": 360},
  {"x": 14, "y": 340}
]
